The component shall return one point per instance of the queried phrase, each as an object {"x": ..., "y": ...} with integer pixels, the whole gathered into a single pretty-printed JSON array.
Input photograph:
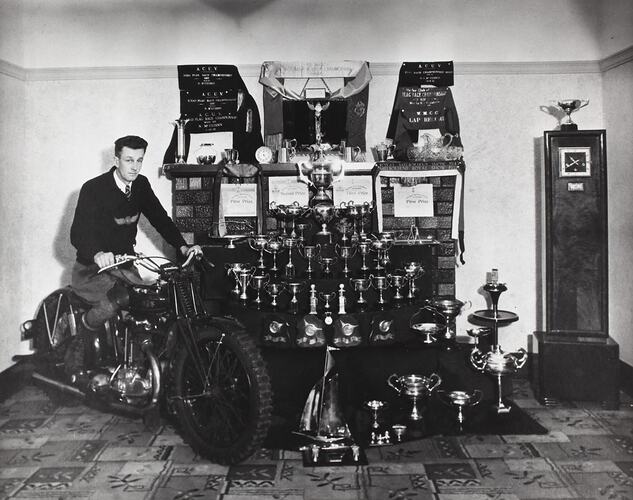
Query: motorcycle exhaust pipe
[{"x": 59, "y": 385}]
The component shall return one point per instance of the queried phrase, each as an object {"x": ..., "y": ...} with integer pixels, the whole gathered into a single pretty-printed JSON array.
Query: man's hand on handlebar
[
  {"x": 103, "y": 259},
  {"x": 195, "y": 249}
]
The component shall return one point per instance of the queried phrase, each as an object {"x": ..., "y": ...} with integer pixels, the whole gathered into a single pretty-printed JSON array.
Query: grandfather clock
[{"x": 577, "y": 360}]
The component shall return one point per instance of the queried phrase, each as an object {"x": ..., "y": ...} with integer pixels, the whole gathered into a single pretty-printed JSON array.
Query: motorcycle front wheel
[{"x": 223, "y": 399}]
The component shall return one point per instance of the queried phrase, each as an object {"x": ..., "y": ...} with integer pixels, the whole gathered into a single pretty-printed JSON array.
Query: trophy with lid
[{"x": 496, "y": 362}]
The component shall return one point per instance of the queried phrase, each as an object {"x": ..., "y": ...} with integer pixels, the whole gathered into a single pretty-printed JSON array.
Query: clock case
[{"x": 577, "y": 360}]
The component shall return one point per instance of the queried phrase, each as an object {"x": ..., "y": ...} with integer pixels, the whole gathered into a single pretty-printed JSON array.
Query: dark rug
[{"x": 438, "y": 420}]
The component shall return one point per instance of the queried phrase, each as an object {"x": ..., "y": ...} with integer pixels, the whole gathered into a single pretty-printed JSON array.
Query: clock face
[
  {"x": 575, "y": 162},
  {"x": 264, "y": 154}
]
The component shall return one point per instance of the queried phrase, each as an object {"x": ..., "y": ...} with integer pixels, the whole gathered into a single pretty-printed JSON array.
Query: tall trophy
[
  {"x": 569, "y": 106},
  {"x": 496, "y": 362},
  {"x": 345, "y": 253},
  {"x": 180, "y": 125},
  {"x": 449, "y": 308},
  {"x": 258, "y": 243},
  {"x": 309, "y": 253},
  {"x": 412, "y": 270}
]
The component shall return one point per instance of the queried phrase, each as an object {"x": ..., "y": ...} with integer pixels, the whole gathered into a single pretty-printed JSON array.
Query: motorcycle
[{"x": 162, "y": 352}]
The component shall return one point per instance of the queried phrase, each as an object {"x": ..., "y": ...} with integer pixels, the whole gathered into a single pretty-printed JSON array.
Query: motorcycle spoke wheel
[{"x": 224, "y": 406}]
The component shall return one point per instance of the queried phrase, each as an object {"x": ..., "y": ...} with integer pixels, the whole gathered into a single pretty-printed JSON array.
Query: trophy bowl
[
  {"x": 460, "y": 400},
  {"x": 361, "y": 285},
  {"x": 569, "y": 106},
  {"x": 416, "y": 388}
]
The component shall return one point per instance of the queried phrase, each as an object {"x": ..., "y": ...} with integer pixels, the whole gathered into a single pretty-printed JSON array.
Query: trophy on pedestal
[
  {"x": 345, "y": 253},
  {"x": 309, "y": 253},
  {"x": 321, "y": 176},
  {"x": 273, "y": 246},
  {"x": 380, "y": 283},
  {"x": 234, "y": 268},
  {"x": 364, "y": 247},
  {"x": 460, "y": 400},
  {"x": 274, "y": 290},
  {"x": 496, "y": 362},
  {"x": 180, "y": 125},
  {"x": 257, "y": 283},
  {"x": 379, "y": 436},
  {"x": 569, "y": 106},
  {"x": 449, "y": 308},
  {"x": 412, "y": 270},
  {"x": 289, "y": 244},
  {"x": 361, "y": 285}
]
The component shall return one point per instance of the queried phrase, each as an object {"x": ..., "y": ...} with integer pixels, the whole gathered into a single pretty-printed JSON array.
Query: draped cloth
[{"x": 353, "y": 78}]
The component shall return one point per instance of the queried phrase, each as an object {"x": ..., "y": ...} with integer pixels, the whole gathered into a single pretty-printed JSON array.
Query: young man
[{"x": 105, "y": 225}]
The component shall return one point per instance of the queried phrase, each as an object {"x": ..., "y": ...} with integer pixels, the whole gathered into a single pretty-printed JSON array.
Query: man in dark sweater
[{"x": 105, "y": 225}]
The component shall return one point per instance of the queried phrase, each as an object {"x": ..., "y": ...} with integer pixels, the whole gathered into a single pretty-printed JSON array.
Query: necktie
[{"x": 128, "y": 191}]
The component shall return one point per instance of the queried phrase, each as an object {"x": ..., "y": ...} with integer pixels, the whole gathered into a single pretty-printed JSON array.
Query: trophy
[
  {"x": 274, "y": 290},
  {"x": 380, "y": 283},
  {"x": 413, "y": 270},
  {"x": 290, "y": 243},
  {"x": 399, "y": 431},
  {"x": 345, "y": 253},
  {"x": 342, "y": 213},
  {"x": 346, "y": 326},
  {"x": 375, "y": 407},
  {"x": 460, "y": 400},
  {"x": 416, "y": 388},
  {"x": 449, "y": 308},
  {"x": 273, "y": 247},
  {"x": 569, "y": 106},
  {"x": 244, "y": 278},
  {"x": 496, "y": 362},
  {"x": 427, "y": 321},
  {"x": 301, "y": 227},
  {"x": 293, "y": 212},
  {"x": 257, "y": 283},
  {"x": 258, "y": 243},
  {"x": 364, "y": 246},
  {"x": 327, "y": 308},
  {"x": 381, "y": 247},
  {"x": 323, "y": 214},
  {"x": 321, "y": 176},
  {"x": 309, "y": 253},
  {"x": 234, "y": 268},
  {"x": 361, "y": 285},
  {"x": 326, "y": 264},
  {"x": 397, "y": 282},
  {"x": 180, "y": 125},
  {"x": 294, "y": 288},
  {"x": 231, "y": 155}
]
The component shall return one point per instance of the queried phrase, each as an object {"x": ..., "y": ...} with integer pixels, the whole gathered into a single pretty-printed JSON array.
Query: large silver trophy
[
  {"x": 321, "y": 177},
  {"x": 496, "y": 362},
  {"x": 417, "y": 388}
]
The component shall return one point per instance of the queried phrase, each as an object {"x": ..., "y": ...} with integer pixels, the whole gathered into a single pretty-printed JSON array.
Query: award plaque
[{"x": 577, "y": 360}]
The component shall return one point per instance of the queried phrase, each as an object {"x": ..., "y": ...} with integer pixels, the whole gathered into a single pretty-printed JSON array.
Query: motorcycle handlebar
[{"x": 140, "y": 258}]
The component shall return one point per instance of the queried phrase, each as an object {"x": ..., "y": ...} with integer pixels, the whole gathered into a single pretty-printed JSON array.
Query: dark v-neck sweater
[{"x": 105, "y": 220}]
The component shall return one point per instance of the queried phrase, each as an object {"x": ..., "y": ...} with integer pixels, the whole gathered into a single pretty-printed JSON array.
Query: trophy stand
[{"x": 496, "y": 362}]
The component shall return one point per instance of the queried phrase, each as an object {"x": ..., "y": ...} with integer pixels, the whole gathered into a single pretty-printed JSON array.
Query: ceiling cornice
[{"x": 377, "y": 69}]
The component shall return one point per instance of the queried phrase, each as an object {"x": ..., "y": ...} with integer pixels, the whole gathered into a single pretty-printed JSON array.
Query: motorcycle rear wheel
[{"x": 226, "y": 419}]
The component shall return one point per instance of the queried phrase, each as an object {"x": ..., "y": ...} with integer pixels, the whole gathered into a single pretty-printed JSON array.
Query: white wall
[{"x": 58, "y": 125}]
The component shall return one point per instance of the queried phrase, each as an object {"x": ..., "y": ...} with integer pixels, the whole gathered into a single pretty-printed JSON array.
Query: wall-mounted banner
[
  {"x": 355, "y": 188},
  {"x": 239, "y": 200},
  {"x": 413, "y": 201},
  {"x": 287, "y": 190}
]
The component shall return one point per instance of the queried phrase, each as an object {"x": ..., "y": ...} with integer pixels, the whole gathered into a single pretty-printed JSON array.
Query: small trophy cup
[
  {"x": 290, "y": 269},
  {"x": 345, "y": 253},
  {"x": 244, "y": 278},
  {"x": 380, "y": 283},
  {"x": 364, "y": 247},
  {"x": 273, "y": 246},
  {"x": 569, "y": 106},
  {"x": 361, "y": 285},
  {"x": 460, "y": 400},
  {"x": 294, "y": 288},
  {"x": 257, "y": 283},
  {"x": 279, "y": 214},
  {"x": 323, "y": 214},
  {"x": 397, "y": 282},
  {"x": 375, "y": 407},
  {"x": 413, "y": 270},
  {"x": 234, "y": 268},
  {"x": 309, "y": 253},
  {"x": 416, "y": 388},
  {"x": 326, "y": 265},
  {"x": 302, "y": 227},
  {"x": 274, "y": 290},
  {"x": 180, "y": 125},
  {"x": 258, "y": 243},
  {"x": 326, "y": 297},
  {"x": 381, "y": 247},
  {"x": 427, "y": 321},
  {"x": 293, "y": 212}
]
